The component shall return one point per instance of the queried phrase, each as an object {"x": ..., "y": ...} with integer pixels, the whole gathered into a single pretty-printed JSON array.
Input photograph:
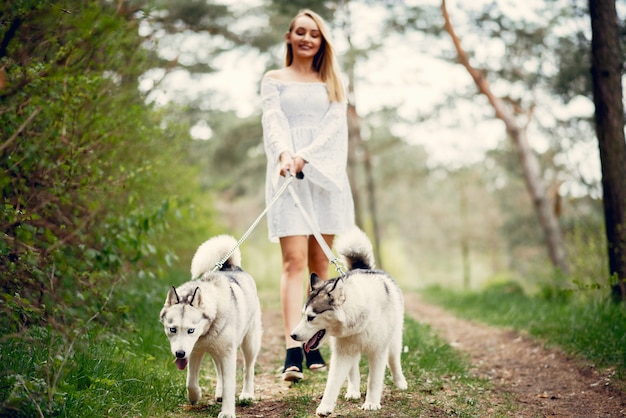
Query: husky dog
[
  {"x": 215, "y": 313},
  {"x": 362, "y": 312}
]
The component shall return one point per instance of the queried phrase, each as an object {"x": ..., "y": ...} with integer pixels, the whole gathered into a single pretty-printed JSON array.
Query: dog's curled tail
[
  {"x": 212, "y": 252},
  {"x": 355, "y": 250}
]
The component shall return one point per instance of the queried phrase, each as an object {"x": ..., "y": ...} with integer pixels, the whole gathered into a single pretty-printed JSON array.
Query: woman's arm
[
  {"x": 276, "y": 136},
  {"x": 333, "y": 134},
  {"x": 327, "y": 155}
]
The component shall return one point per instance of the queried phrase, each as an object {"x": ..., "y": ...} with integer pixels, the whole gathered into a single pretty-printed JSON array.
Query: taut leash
[
  {"x": 318, "y": 236},
  {"x": 220, "y": 264}
]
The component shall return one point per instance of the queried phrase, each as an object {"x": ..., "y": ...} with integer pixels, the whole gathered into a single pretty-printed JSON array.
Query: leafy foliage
[
  {"x": 92, "y": 180},
  {"x": 69, "y": 171}
]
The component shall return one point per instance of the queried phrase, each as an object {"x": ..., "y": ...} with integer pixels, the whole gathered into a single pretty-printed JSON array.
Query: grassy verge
[
  {"x": 104, "y": 373},
  {"x": 592, "y": 327}
]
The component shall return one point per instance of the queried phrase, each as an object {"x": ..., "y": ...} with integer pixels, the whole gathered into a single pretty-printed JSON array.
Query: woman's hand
[
  {"x": 292, "y": 164},
  {"x": 298, "y": 164},
  {"x": 286, "y": 163}
]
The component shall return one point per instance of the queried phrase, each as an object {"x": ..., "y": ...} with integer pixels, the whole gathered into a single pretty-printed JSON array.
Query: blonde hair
[{"x": 324, "y": 61}]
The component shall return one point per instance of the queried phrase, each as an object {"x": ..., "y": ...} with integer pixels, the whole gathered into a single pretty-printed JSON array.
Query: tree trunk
[
  {"x": 465, "y": 239},
  {"x": 353, "y": 144},
  {"x": 371, "y": 200},
  {"x": 517, "y": 131},
  {"x": 606, "y": 71},
  {"x": 542, "y": 203},
  {"x": 358, "y": 149}
]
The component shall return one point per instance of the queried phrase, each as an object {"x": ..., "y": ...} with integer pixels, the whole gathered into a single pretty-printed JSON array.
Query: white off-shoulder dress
[{"x": 298, "y": 118}]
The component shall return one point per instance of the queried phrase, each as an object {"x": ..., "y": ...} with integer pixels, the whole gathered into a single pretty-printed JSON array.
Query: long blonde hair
[{"x": 324, "y": 61}]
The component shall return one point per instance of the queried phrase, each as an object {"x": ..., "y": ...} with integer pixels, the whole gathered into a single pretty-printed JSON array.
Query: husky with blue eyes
[
  {"x": 216, "y": 312},
  {"x": 362, "y": 312}
]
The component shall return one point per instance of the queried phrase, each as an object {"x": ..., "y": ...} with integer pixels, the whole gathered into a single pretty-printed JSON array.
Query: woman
[{"x": 305, "y": 130}]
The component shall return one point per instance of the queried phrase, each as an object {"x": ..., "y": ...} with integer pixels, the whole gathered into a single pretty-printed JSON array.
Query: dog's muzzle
[{"x": 181, "y": 360}]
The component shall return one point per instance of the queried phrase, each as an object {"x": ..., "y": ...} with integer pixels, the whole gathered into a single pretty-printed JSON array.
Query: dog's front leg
[
  {"x": 339, "y": 367},
  {"x": 194, "y": 393},
  {"x": 219, "y": 376},
  {"x": 375, "y": 381},
  {"x": 354, "y": 380},
  {"x": 228, "y": 365}
]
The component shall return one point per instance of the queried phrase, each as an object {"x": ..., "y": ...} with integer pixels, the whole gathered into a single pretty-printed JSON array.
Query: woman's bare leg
[
  {"x": 294, "y": 250},
  {"x": 318, "y": 260}
]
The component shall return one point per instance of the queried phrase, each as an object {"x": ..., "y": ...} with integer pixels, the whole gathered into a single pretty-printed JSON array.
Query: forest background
[{"x": 131, "y": 133}]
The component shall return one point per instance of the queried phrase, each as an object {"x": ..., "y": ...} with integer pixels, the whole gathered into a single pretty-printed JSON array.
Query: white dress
[{"x": 298, "y": 118}]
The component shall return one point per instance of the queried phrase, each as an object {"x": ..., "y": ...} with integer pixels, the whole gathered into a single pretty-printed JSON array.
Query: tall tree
[
  {"x": 606, "y": 70},
  {"x": 516, "y": 120}
]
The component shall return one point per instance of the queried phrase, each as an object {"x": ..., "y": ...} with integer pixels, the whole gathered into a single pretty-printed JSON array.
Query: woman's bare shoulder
[
  {"x": 287, "y": 75},
  {"x": 279, "y": 74}
]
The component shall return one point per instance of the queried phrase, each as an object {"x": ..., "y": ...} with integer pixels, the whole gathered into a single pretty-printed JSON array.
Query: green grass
[
  {"x": 105, "y": 373},
  {"x": 591, "y": 327}
]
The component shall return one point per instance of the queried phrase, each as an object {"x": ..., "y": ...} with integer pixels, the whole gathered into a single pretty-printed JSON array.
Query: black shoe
[
  {"x": 292, "y": 372},
  {"x": 314, "y": 358}
]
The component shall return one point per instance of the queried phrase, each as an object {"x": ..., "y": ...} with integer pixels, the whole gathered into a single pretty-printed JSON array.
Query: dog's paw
[
  {"x": 353, "y": 394},
  {"x": 245, "y": 396},
  {"x": 324, "y": 410},
  {"x": 194, "y": 394},
  {"x": 401, "y": 384},
  {"x": 370, "y": 406},
  {"x": 225, "y": 414}
]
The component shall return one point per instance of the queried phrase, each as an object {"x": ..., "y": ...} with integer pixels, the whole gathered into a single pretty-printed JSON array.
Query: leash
[
  {"x": 220, "y": 264},
  {"x": 320, "y": 240}
]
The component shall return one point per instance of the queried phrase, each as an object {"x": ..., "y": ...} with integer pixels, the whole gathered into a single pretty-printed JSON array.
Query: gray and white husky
[
  {"x": 362, "y": 312},
  {"x": 215, "y": 313}
]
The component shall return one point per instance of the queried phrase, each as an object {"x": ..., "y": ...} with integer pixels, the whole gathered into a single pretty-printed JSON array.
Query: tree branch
[
  {"x": 19, "y": 130},
  {"x": 477, "y": 76},
  {"x": 530, "y": 164}
]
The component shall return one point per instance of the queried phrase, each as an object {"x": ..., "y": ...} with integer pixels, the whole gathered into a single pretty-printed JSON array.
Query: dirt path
[
  {"x": 268, "y": 384},
  {"x": 543, "y": 382}
]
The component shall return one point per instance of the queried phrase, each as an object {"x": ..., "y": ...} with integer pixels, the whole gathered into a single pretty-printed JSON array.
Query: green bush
[{"x": 96, "y": 194}]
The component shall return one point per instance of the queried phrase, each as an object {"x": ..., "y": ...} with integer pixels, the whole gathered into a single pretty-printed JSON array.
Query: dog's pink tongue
[
  {"x": 181, "y": 363},
  {"x": 314, "y": 341}
]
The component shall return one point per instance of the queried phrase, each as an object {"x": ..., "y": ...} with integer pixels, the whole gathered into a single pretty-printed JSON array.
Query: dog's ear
[
  {"x": 196, "y": 299},
  {"x": 316, "y": 282},
  {"x": 336, "y": 294},
  {"x": 172, "y": 297}
]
